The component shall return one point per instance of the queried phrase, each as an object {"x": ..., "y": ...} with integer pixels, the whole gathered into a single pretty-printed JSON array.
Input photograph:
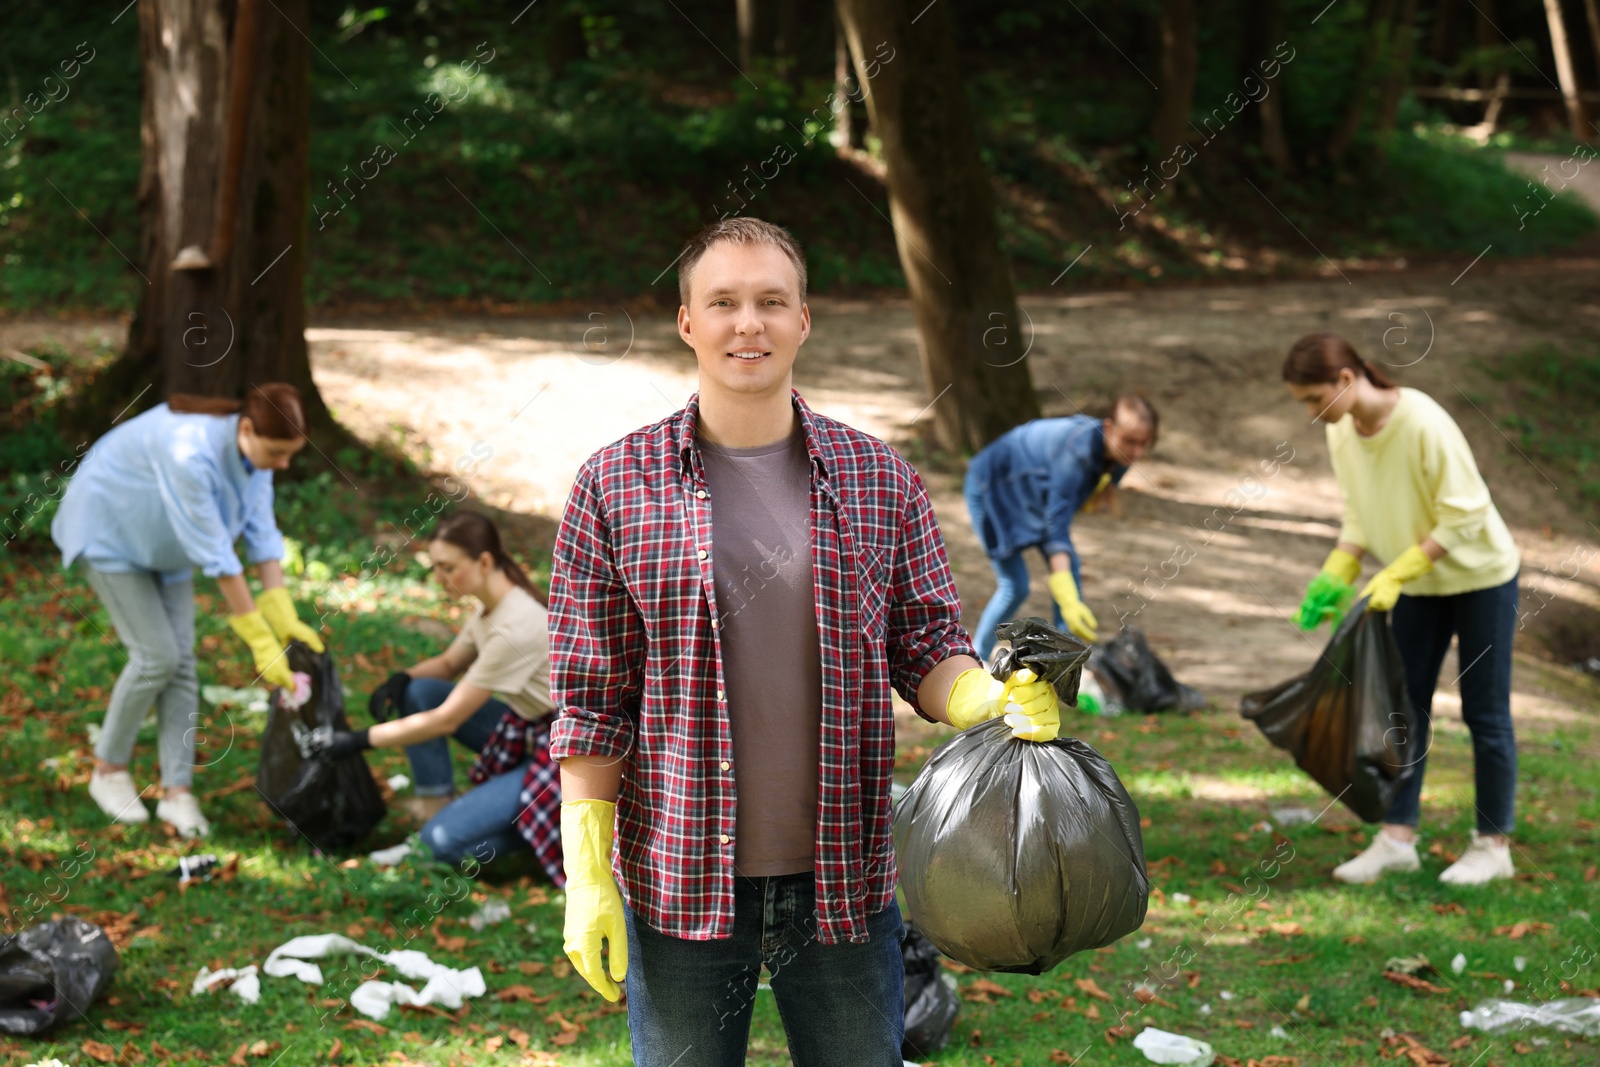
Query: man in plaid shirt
[{"x": 735, "y": 589}]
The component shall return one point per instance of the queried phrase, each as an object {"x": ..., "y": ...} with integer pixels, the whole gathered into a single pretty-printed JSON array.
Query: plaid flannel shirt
[
  {"x": 636, "y": 671},
  {"x": 518, "y": 742}
]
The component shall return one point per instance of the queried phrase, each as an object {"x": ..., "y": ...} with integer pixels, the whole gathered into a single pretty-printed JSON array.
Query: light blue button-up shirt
[{"x": 167, "y": 492}]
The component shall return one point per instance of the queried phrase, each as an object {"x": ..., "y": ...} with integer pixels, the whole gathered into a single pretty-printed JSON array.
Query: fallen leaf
[
  {"x": 1150, "y": 996},
  {"x": 564, "y": 1038},
  {"x": 1090, "y": 987},
  {"x": 157, "y": 1049},
  {"x": 1461, "y": 1042},
  {"x": 364, "y": 663},
  {"x": 1038, "y": 996},
  {"x": 1521, "y": 1048},
  {"x": 492, "y": 1044},
  {"x": 1591, "y": 872},
  {"x": 1411, "y": 981},
  {"x": 98, "y": 1050},
  {"x": 237, "y": 1059},
  {"x": 984, "y": 985},
  {"x": 1193, "y": 978},
  {"x": 977, "y": 1035},
  {"x": 366, "y": 1024},
  {"x": 1303, "y": 1005},
  {"x": 561, "y": 968},
  {"x": 1452, "y": 908},
  {"x": 1116, "y": 1033},
  {"x": 1287, "y": 929},
  {"x": 1518, "y": 930},
  {"x": 1061, "y": 1056},
  {"x": 518, "y": 1038},
  {"x": 1092, "y": 1013},
  {"x": 524, "y": 993},
  {"x": 1219, "y": 867},
  {"x": 496, "y": 967},
  {"x": 131, "y": 1054},
  {"x": 448, "y": 943},
  {"x": 531, "y": 967},
  {"x": 1245, "y": 1024},
  {"x": 334, "y": 1049}
]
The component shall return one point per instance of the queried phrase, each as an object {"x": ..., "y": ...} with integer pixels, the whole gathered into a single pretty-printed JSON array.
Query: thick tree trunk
[
  {"x": 224, "y": 179},
  {"x": 1274, "y": 143},
  {"x": 1180, "y": 58},
  {"x": 1569, "y": 81},
  {"x": 1591, "y": 9},
  {"x": 1396, "y": 76},
  {"x": 1380, "y": 21},
  {"x": 942, "y": 204},
  {"x": 846, "y": 130}
]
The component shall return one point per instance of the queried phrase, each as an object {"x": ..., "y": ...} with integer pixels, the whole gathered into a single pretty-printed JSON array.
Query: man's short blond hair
[{"x": 739, "y": 230}]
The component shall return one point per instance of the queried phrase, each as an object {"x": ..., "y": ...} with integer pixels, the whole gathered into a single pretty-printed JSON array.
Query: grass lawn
[{"x": 1267, "y": 959}]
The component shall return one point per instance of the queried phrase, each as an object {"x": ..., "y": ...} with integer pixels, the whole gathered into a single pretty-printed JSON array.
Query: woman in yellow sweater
[{"x": 1414, "y": 499}]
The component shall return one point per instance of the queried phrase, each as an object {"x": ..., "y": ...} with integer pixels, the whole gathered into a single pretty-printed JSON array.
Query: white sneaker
[
  {"x": 117, "y": 797},
  {"x": 1484, "y": 861},
  {"x": 183, "y": 812},
  {"x": 1384, "y": 854}
]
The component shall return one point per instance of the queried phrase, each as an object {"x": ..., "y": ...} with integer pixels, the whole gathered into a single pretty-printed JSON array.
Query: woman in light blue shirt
[{"x": 163, "y": 493}]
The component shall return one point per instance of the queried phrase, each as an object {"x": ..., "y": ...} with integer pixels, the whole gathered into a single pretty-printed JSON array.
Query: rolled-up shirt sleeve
[
  {"x": 597, "y": 638},
  {"x": 924, "y": 626},
  {"x": 187, "y": 483},
  {"x": 262, "y": 541}
]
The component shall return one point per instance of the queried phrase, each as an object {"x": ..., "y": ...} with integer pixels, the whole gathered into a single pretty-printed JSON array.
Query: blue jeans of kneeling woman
[{"x": 481, "y": 823}]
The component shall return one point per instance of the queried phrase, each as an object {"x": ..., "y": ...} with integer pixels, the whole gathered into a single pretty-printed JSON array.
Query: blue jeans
[
  {"x": 1484, "y": 621},
  {"x": 1011, "y": 585},
  {"x": 840, "y": 1004},
  {"x": 481, "y": 822}
]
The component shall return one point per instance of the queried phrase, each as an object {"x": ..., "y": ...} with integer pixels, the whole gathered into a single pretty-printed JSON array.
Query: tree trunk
[
  {"x": 1591, "y": 8},
  {"x": 1179, "y": 60},
  {"x": 1443, "y": 46},
  {"x": 1569, "y": 82},
  {"x": 1379, "y": 37},
  {"x": 846, "y": 131},
  {"x": 941, "y": 201},
  {"x": 1396, "y": 77},
  {"x": 1274, "y": 143},
  {"x": 224, "y": 180}
]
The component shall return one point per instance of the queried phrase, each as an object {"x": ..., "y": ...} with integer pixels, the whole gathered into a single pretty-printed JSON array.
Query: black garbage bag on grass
[
  {"x": 333, "y": 805},
  {"x": 1132, "y": 675},
  {"x": 931, "y": 1005},
  {"x": 51, "y": 973},
  {"x": 1347, "y": 721},
  {"x": 1016, "y": 854}
]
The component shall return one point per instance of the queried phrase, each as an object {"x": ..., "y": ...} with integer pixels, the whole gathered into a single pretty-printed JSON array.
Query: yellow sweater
[{"x": 1416, "y": 479}]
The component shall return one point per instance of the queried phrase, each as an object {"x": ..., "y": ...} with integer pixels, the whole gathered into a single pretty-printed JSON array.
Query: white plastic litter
[
  {"x": 1280, "y": 1033},
  {"x": 445, "y": 985},
  {"x": 1520, "y": 963},
  {"x": 1293, "y": 816},
  {"x": 251, "y": 699},
  {"x": 1226, "y": 994},
  {"x": 1159, "y": 1046},
  {"x": 391, "y": 857},
  {"x": 1458, "y": 964},
  {"x": 1145, "y": 942},
  {"x": 1181, "y": 898},
  {"x": 1572, "y": 1015},
  {"x": 494, "y": 910},
  {"x": 373, "y": 999},
  {"x": 399, "y": 782},
  {"x": 246, "y": 982}
]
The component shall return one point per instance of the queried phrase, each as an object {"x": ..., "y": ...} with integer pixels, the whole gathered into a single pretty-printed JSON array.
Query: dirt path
[{"x": 1221, "y": 528}]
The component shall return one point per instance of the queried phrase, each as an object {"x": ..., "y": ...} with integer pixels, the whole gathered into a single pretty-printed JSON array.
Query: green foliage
[{"x": 1553, "y": 395}]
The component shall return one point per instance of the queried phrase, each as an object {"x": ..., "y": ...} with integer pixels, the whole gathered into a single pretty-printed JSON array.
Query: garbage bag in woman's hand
[
  {"x": 332, "y": 804},
  {"x": 51, "y": 973},
  {"x": 1016, "y": 854},
  {"x": 1347, "y": 721}
]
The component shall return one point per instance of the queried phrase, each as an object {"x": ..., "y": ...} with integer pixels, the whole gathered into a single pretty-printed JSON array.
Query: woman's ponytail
[{"x": 1317, "y": 359}]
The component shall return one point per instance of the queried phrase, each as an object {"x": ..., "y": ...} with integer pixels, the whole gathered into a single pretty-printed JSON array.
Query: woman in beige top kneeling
[{"x": 500, "y": 709}]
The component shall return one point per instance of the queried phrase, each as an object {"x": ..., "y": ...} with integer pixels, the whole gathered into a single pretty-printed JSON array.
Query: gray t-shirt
[{"x": 771, "y": 655}]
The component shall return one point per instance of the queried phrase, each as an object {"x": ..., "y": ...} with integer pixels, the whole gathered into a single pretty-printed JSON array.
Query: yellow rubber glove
[
  {"x": 1079, "y": 619},
  {"x": 1098, "y": 497},
  {"x": 1384, "y": 589},
  {"x": 594, "y": 905},
  {"x": 271, "y": 663},
  {"x": 1343, "y": 566},
  {"x": 1030, "y": 706},
  {"x": 279, "y": 610}
]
